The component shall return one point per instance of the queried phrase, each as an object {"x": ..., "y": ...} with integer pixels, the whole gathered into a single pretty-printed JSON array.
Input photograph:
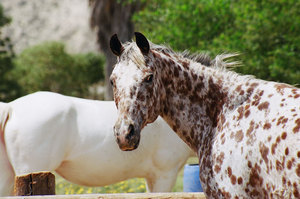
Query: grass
[
  {"x": 134, "y": 185},
  {"x": 129, "y": 186}
]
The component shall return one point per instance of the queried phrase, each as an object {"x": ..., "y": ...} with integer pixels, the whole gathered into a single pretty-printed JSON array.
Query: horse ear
[
  {"x": 115, "y": 45},
  {"x": 142, "y": 43}
]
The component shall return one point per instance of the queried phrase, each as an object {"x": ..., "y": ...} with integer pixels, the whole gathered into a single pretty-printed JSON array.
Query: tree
[
  {"x": 266, "y": 33},
  {"x": 110, "y": 17},
  {"x": 49, "y": 67},
  {"x": 9, "y": 89}
]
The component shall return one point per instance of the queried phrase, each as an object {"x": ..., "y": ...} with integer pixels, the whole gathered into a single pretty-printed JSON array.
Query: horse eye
[
  {"x": 112, "y": 82},
  {"x": 149, "y": 78}
]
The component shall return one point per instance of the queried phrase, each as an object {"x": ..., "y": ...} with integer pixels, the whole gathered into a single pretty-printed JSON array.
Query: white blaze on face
[{"x": 128, "y": 76}]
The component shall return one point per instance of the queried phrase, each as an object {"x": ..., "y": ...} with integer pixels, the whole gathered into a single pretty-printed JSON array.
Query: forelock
[{"x": 133, "y": 53}]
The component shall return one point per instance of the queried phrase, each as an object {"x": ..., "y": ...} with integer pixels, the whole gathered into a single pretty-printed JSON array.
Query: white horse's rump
[
  {"x": 7, "y": 173},
  {"x": 72, "y": 136}
]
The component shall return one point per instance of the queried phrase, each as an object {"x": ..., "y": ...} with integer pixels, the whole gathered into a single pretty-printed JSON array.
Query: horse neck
[{"x": 196, "y": 97}]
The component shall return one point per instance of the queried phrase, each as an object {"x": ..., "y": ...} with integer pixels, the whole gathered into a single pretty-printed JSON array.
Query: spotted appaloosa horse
[{"x": 245, "y": 130}]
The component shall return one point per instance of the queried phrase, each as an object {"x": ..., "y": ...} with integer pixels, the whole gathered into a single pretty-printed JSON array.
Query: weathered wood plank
[
  {"x": 177, "y": 195},
  {"x": 42, "y": 183}
]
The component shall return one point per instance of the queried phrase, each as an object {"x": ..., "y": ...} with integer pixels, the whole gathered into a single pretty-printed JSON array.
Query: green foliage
[
  {"x": 49, "y": 67},
  {"x": 181, "y": 23},
  {"x": 3, "y": 18},
  {"x": 267, "y": 33},
  {"x": 9, "y": 89}
]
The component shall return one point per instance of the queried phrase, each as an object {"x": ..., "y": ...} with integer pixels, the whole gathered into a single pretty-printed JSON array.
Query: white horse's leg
[
  {"x": 7, "y": 175},
  {"x": 163, "y": 182},
  {"x": 149, "y": 184}
]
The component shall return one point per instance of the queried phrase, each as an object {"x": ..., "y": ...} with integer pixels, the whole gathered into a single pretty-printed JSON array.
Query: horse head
[{"x": 135, "y": 88}]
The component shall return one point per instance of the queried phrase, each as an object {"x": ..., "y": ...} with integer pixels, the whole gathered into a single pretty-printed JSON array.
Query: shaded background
[{"x": 62, "y": 45}]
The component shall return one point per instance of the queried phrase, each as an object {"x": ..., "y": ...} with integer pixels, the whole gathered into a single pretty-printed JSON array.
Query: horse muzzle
[{"x": 127, "y": 137}]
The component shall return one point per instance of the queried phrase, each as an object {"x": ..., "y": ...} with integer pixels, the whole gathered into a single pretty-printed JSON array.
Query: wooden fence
[
  {"x": 173, "y": 195},
  {"x": 42, "y": 185}
]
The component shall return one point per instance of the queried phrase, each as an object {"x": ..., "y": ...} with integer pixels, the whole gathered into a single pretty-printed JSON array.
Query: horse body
[
  {"x": 245, "y": 130},
  {"x": 72, "y": 136},
  {"x": 255, "y": 148}
]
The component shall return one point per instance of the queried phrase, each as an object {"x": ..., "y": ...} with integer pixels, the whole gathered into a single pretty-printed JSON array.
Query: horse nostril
[
  {"x": 115, "y": 132},
  {"x": 131, "y": 132}
]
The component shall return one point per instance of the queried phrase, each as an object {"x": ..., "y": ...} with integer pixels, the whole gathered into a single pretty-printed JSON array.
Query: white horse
[{"x": 46, "y": 131}]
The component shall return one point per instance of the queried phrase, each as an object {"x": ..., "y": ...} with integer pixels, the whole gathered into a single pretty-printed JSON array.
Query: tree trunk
[
  {"x": 110, "y": 61},
  {"x": 110, "y": 17}
]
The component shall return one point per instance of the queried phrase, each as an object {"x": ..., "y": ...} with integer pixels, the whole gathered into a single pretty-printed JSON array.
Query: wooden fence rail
[{"x": 173, "y": 195}]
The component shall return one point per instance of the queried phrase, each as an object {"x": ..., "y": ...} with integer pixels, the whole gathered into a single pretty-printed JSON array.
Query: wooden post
[{"x": 42, "y": 183}]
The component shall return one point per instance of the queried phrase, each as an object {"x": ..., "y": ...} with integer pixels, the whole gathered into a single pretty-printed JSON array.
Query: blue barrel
[{"x": 191, "y": 182}]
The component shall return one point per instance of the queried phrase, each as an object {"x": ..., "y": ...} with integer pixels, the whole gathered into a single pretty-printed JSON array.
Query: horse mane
[
  {"x": 222, "y": 61},
  {"x": 202, "y": 58}
]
